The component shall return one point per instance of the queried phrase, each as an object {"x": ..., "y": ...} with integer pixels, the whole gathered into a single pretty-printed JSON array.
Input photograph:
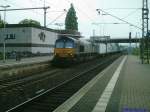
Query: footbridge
[{"x": 117, "y": 40}]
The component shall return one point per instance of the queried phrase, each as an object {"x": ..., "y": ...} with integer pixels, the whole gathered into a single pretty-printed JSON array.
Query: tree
[
  {"x": 30, "y": 22},
  {"x": 71, "y": 19},
  {"x": 2, "y": 22}
]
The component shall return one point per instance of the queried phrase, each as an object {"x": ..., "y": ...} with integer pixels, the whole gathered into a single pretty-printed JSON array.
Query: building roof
[
  {"x": 72, "y": 32},
  {"x": 27, "y": 25}
]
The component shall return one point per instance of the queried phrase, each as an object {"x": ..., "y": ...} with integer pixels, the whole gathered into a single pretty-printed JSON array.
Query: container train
[{"x": 69, "y": 50}]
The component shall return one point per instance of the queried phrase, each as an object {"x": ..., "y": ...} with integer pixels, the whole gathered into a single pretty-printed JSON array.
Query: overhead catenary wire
[
  {"x": 56, "y": 19},
  {"x": 122, "y": 8},
  {"x": 25, "y": 8},
  {"x": 88, "y": 6},
  {"x": 47, "y": 2},
  {"x": 30, "y": 10},
  {"x": 10, "y": 2},
  {"x": 118, "y": 18},
  {"x": 52, "y": 11},
  {"x": 20, "y": 7},
  {"x": 82, "y": 11},
  {"x": 131, "y": 13}
]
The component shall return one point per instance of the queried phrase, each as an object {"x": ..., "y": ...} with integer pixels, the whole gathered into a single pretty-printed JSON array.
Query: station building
[{"x": 27, "y": 39}]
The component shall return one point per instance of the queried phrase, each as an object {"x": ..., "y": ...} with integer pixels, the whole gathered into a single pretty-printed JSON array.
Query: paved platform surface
[
  {"x": 122, "y": 87},
  {"x": 132, "y": 92},
  {"x": 13, "y": 62}
]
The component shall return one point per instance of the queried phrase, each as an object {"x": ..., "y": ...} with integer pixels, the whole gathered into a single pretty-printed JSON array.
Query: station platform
[
  {"x": 24, "y": 61},
  {"x": 124, "y": 86}
]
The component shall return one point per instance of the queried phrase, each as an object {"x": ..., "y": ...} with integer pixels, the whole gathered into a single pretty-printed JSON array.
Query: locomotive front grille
[{"x": 64, "y": 52}]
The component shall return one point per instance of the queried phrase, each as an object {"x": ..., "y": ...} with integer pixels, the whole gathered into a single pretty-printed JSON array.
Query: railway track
[
  {"x": 16, "y": 91},
  {"x": 27, "y": 79},
  {"x": 50, "y": 99}
]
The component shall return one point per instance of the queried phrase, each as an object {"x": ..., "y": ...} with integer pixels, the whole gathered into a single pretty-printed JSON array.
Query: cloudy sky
[{"x": 86, "y": 13}]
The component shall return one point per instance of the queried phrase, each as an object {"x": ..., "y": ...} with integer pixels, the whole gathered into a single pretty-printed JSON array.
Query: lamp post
[{"x": 6, "y": 6}]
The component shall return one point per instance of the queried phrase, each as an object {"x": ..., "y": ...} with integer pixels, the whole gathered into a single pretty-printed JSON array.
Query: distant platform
[
  {"x": 25, "y": 61},
  {"x": 124, "y": 86}
]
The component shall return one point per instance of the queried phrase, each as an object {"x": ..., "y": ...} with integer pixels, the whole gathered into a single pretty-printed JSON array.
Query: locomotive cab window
[
  {"x": 64, "y": 43},
  {"x": 69, "y": 44},
  {"x": 59, "y": 44}
]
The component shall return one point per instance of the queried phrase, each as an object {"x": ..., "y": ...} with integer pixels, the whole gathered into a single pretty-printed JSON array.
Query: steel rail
[{"x": 59, "y": 85}]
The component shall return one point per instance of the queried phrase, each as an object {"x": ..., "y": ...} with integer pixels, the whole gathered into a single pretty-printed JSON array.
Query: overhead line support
[{"x": 45, "y": 9}]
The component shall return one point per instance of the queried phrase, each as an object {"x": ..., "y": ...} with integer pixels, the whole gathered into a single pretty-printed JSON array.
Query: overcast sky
[{"x": 86, "y": 13}]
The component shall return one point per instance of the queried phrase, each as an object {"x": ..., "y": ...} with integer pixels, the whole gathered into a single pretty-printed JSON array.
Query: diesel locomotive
[{"x": 70, "y": 49}]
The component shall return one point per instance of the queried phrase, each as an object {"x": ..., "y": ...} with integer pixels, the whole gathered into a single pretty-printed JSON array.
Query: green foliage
[
  {"x": 136, "y": 51},
  {"x": 1, "y": 56},
  {"x": 30, "y": 21},
  {"x": 71, "y": 19},
  {"x": 2, "y": 23}
]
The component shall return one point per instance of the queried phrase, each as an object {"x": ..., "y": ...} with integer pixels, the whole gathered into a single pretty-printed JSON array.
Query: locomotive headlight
[{"x": 71, "y": 54}]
